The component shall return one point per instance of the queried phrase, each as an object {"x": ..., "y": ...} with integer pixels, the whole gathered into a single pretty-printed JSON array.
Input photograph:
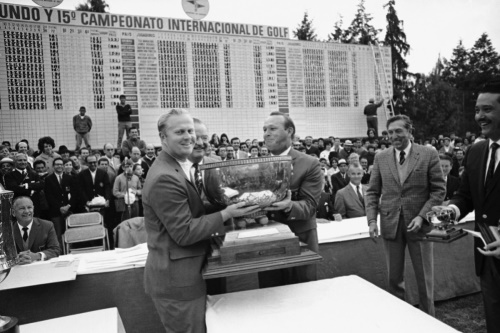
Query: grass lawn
[{"x": 465, "y": 314}]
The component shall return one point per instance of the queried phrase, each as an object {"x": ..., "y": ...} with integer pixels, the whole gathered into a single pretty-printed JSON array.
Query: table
[
  {"x": 344, "y": 304},
  {"x": 454, "y": 273},
  {"x": 100, "y": 321}
]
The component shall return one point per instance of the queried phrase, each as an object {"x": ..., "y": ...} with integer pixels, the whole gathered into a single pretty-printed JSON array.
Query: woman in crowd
[
  {"x": 224, "y": 139},
  {"x": 371, "y": 135},
  {"x": 69, "y": 167},
  {"x": 6, "y": 166},
  {"x": 215, "y": 140},
  {"x": 334, "y": 167},
  {"x": 254, "y": 152},
  {"x": 46, "y": 146}
]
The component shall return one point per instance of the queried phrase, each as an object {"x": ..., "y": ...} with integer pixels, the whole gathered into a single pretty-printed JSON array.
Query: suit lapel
[
  {"x": 496, "y": 175},
  {"x": 35, "y": 228},
  {"x": 353, "y": 194},
  {"x": 392, "y": 164},
  {"x": 17, "y": 237},
  {"x": 482, "y": 169},
  {"x": 414, "y": 157}
]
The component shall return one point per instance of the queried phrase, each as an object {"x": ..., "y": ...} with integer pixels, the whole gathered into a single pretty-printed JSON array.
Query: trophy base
[
  {"x": 8, "y": 324},
  {"x": 444, "y": 235}
]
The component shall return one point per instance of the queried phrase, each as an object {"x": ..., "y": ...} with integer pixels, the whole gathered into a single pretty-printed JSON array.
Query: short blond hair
[{"x": 163, "y": 120}]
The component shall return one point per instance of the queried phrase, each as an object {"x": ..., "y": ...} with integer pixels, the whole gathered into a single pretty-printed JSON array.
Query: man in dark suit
[
  {"x": 94, "y": 182},
  {"x": 349, "y": 201},
  {"x": 178, "y": 229},
  {"x": 24, "y": 182},
  {"x": 480, "y": 192},
  {"x": 61, "y": 195},
  {"x": 36, "y": 239},
  {"x": 340, "y": 179},
  {"x": 298, "y": 209},
  {"x": 452, "y": 183},
  {"x": 406, "y": 181}
]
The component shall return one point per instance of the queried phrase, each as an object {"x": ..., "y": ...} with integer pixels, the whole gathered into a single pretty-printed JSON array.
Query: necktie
[
  {"x": 197, "y": 178},
  {"x": 360, "y": 196},
  {"x": 491, "y": 167},
  {"x": 25, "y": 234},
  {"x": 59, "y": 179},
  {"x": 402, "y": 157}
]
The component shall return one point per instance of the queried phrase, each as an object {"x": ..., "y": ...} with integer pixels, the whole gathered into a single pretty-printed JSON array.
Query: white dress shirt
[{"x": 42, "y": 258}]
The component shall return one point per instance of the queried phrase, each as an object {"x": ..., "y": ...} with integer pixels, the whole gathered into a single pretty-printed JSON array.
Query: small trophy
[{"x": 443, "y": 227}]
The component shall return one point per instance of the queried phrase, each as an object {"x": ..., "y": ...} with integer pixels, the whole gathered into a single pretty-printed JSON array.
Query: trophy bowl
[{"x": 255, "y": 181}]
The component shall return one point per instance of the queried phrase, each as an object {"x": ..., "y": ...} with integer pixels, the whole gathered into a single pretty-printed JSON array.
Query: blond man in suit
[
  {"x": 179, "y": 229},
  {"x": 349, "y": 201},
  {"x": 406, "y": 181}
]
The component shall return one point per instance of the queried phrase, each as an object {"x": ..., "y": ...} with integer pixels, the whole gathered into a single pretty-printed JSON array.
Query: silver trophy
[{"x": 8, "y": 251}]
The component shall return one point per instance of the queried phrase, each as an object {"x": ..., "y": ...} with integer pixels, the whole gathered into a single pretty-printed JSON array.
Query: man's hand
[
  {"x": 415, "y": 224},
  {"x": 491, "y": 250},
  {"x": 106, "y": 204},
  {"x": 373, "y": 231},
  {"x": 27, "y": 257},
  {"x": 238, "y": 209},
  {"x": 64, "y": 209},
  {"x": 322, "y": 221},
  {"x": 285, "y": 204},
  {"x": 337, "y": 217}
]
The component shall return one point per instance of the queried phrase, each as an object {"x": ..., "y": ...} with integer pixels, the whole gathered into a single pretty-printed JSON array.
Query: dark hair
[
  {"x": 252, "y": 147},
  {"x": 66, "y": 160},
  {"x": 39, "y": 162},
  {"x": 224, "y": 135},
  {"x": 136, "y": 166},
  {"x": 288, "y": 121},
  {"x": 102, "y": 159},
  {"x": 492, "y": 87},
  {"x": 234, "y": 139},
  {"x": 122, "y": 96},
  {"x": 446, "y": 157},
  {"x": 243, "y": 143},
  {"x": 57, "y": 159},
  {"x": 87, "y": 158},
  {"x": 5, "y": 143},
  {"x": 407, "y": 121},
  {"x": 45, "y": 140}
]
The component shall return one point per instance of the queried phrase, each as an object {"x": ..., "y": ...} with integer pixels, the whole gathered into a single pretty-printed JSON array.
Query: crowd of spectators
[{"x": 118, "y": 175}]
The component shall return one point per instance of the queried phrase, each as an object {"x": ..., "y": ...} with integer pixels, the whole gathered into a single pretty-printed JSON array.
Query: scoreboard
[{"x": 230, "y": 76}]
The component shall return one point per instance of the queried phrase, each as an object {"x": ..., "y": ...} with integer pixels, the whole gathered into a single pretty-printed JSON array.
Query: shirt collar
[
  {"x": 283, "y": 153},
  {"x": 21, "y": 171},
  {"x": 28, "y": 226},
  {"x": 491, "y": 142},
  {"x": 406, "y": 150},
  {"x": 354, "y": 187}
]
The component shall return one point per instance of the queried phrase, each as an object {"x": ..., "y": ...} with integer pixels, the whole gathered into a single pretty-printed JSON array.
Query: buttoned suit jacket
[
  {"x": 178, "y": 232},
  {"x": 347, "y": 202},
  {"x": 42, "y": 238},
  {"x": 422, "y": 188},
  {"x": 306, "y": 190},
  {"x": 59, "y": 195},
  {"x": 14, "y": 180},
  {"x": 338, "y": 182},
  {"x": 100, "y": 187},
  {"x": 472, "y": 194}
]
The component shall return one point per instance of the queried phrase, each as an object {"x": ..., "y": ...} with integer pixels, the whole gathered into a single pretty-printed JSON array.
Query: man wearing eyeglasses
[{"x": 109, "y": 153}]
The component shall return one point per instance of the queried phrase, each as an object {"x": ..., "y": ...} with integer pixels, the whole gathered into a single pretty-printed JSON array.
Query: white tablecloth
[{"x": 343, "y": 304}]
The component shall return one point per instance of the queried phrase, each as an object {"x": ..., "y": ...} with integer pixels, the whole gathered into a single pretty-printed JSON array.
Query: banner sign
[{"x": 106, "y": 20}]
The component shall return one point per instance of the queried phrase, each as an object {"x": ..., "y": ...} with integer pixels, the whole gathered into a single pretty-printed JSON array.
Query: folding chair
[{"x": 84, "y": 232}]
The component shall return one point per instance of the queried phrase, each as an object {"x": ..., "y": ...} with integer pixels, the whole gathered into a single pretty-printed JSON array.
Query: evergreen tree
[
  {"x": 305, "y": 30},
  {"x": 395, "y": 38},
  {"x": 338, "y": 33},
  {"x": 361, "y": 31},
  {"x": 484, "y": 61},
  {"x": 97, "y": 6},
  {"x": 457, "y": 69}
]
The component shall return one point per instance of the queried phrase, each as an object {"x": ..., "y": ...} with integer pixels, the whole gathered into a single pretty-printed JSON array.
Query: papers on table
[
  {"x": 110, "y": 261},
  {"x": 347, "y": 229}
]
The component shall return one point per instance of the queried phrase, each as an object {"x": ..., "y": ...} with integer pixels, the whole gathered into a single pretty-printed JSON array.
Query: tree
[
  {"x": 395, "y": 38},
  {"x": 360, "y": 31},
  {"x": 97, "y": 6},
  {"x": 484, "y": 61},
  {"x": 457, "y": 69},
  {"x": 305, "y": 30},
  {"x": 338, "y": 33}
]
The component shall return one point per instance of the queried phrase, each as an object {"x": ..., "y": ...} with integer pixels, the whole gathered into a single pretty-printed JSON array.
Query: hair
[
  {"x": 354, "y": 165},
  {"x": 254, "y": 147},
  {"x": 406, "y": 120},
  {"x": 222, "y": 146},
  {"x": 89, "y": 156},
  {"x": 327, "y": 142},
  {"x": 288, "y": 123},
  {"x": 135, "y": 167},
  {"x": 224, "y": 135},
  {"x": 109, "y": 143},
  {"x": 446, "y": 157},
  {"x": 234, "y": 139},
  {"x": 122, "y": 96},
  {"x": 6, "y": 143},
  {"x": 492, "y": 87},
  {"x": 45, "y": 140},
  {"x": 243, "y": 143},
  {"x": 16, "y": 200},
  {"x": 57, "y": 159},
  {"x": 39, "y": 162},
  {"x": 163, "y": 120},
  {"x": 102, "y": 159},
  {"x": 67, "y": 160},
  {"x": 84, "y": 148},
  {"x": 19, "y": 155},
  {"x": 17, "y": 145}
]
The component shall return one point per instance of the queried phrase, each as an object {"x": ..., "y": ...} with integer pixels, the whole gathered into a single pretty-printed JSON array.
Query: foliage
[
  {"x": 305, "y": 30},
  {"x": 338, "y": 32},
  {"x": 97, "y": 6},
  {"x": 395, "y": 38},
  {"x": 361, "y": 31}
]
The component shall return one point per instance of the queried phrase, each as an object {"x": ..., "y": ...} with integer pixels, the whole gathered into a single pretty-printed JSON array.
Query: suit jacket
[
  {"x": 422, "y": 188},
  {"x": 325, "y": 207},
  {"x": 306, "y": 190},
  {"x": 14, "y": 180},
  {"x": 100, "y": 186},
  {"x": 338, "y": 182},
  {"x": 312, "y": 150},
  {"x": 452, "y": 185},
  {"x": 347, "y": 202},
  {"x": 42, "y": 238},
  {"x": 178, "y": 232},
  {"x": 59, "y": 195},
  {"x": 471, "y": 194}
]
